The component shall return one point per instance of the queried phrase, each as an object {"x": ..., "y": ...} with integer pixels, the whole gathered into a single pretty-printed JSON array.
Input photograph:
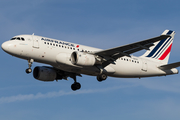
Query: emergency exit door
[{"x": 35, "y": 42}]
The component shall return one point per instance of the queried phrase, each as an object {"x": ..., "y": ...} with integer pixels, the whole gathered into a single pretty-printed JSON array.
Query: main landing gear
[
  {"x": 101, "y": 77},
  {"x": 75, "y": 86},
  {"x": 29, "y": 70}
]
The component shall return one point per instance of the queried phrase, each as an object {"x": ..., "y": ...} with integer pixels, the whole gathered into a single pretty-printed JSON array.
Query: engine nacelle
[
  {"x": 63, "y": 58},
  {"x": 44, "y": 74},
  {"x": 83, "y": 59}
]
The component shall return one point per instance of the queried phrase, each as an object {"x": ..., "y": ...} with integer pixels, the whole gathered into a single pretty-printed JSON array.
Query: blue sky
[{"x": 98, "y": 23}]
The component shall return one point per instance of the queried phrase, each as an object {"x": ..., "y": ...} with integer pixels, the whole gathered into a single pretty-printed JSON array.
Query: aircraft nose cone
[{"x": 5, "y": 46}]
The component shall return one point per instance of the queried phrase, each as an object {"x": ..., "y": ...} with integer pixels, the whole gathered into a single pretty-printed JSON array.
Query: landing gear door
[{"x": 35, "y": 42}]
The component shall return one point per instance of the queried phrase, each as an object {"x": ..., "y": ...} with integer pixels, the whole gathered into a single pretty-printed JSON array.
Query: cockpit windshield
[
  {"x": 13, "y": 38},
  {"x": 18, "y": 38}
]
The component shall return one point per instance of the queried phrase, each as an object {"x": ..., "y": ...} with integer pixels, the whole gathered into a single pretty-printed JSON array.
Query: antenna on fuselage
[{"x": 33, "y": 34}]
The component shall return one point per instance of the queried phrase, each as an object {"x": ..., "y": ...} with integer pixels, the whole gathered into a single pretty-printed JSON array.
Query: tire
[
  {"x": 101, "y": 77},
  {"x": 75, "y": 86},
  {"x": 29, "y": 70}
]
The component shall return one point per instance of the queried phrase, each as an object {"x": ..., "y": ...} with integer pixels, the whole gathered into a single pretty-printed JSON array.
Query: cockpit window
[
  {"x": 18, "y": 38},
  {"x": 13, "y": 38}
]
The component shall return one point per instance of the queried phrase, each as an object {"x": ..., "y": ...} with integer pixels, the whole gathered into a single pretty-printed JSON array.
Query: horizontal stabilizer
[{"x": 169, "y": 66}]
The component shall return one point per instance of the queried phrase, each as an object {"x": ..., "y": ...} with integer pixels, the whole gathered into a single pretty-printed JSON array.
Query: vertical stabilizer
[{"x": 161, "y": 49}]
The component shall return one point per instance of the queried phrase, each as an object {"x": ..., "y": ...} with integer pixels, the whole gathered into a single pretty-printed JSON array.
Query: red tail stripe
[{"x": 165, "y": 53}]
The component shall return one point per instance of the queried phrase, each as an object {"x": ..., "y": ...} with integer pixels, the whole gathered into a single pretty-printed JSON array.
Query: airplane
[{"x": 71, "y": 60}]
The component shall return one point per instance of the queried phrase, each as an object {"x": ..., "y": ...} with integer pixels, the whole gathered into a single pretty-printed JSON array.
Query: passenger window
[
  {"x": 22, "y": 39},
  {"x": 18, "y": 38}
]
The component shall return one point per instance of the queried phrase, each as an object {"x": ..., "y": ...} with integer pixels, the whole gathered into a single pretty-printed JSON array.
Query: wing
[{"x": 111, "y": 55}]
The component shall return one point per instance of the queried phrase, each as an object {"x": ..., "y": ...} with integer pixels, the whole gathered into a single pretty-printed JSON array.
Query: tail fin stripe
[
  {"x": 163, "y": 47},
  {"x": 156, "y": 48},
  {"x": 160, "y": 52},
  {"x": 170, "y": 32},
  {"x": 166, "y": 53}
]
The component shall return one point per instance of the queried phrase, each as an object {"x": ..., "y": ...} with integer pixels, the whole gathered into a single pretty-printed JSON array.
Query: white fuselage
[{"x": 48, "y": 51}]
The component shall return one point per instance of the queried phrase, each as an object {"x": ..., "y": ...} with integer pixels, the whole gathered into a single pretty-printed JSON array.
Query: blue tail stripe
[
  {"x": 170, "y": 32},
  {"x": 162, "y": 47},
  {"x": 165, "y": 48},
  {"x": 156, "y": 48}
]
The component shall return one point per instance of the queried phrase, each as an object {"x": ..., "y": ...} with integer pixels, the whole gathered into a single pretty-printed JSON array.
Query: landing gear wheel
[
  {"x": 29, "y": 70},
  {"x": 75, "y": 86},
  {"x": 101, "y": 77}
]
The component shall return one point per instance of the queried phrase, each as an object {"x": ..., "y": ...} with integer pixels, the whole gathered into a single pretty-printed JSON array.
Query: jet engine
[
  {"x": 63, "y": 58},
  {"x": 44, "y": 74},
  {"x": 83, "y": 59}
]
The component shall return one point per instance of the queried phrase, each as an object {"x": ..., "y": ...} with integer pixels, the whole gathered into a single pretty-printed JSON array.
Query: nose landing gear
[{"x": 29, "y": 70}]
